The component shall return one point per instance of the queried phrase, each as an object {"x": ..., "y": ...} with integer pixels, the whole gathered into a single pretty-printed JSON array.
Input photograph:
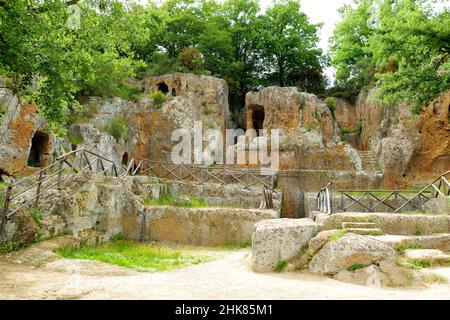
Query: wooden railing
[
  {"x": 438, "y": 188},
  {"x": 395, "y": 200},
  {"x": 201, "y": 174},
  {"x": 324, "y": 199},
  {"x": 29, "y": 191}
]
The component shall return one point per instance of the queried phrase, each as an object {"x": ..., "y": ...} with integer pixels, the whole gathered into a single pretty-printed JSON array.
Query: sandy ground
[{"x": 227, "y": 277}]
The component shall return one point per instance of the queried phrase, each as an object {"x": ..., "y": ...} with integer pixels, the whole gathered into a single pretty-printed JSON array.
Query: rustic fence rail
[
  {"x": 30, "y": 190},
  {"x": 201, "y": 174},
  {"x": 395, "y": 200}
]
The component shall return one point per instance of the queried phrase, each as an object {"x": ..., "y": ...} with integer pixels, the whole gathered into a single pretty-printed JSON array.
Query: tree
[
  {"x": 405, "y": 54},
  {"x": 288, "y": 46},
  {"x": 348, "y": 47}
]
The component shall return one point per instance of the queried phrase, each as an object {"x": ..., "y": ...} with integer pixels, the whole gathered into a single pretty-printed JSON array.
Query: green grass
[
  {"x": 9, "y": 246},
  {"x": 281, "y": 265},
  {"x": 37, "y": 215},
  {"x": 337, "y": 235},
  {"x": 75, "y": 139},
  {"x": 419, "y": 264},
  {"x": 402, "y": 248},
  {"x": 356, "y": 266},
  {"x": 133, "y": 255},
  {"x": 158, "y": 98},
  {"x": 172, "y": 200}
]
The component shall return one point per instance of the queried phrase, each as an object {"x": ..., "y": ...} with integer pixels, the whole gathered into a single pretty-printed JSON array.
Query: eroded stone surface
[
  {"x": 349, "y": 250},
  {"x": 280, "y": 240}
]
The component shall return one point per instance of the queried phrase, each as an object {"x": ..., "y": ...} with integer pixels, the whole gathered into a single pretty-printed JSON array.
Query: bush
[
  {"x": 117, "y": 128},
  {"x": 330, "y": 104},
  {"x": 158, "y": 98},
  {"x": 191, "y": 58}
]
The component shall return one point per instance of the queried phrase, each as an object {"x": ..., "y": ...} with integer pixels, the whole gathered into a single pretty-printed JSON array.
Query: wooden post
[
  {"x": 38, "y": 189},
  {"x": 60, "y": 171},
  {"x": 4, "y": 213}
]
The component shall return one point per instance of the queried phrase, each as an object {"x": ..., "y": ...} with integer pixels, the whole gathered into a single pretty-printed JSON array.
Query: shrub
[
  {"x": 330, "y": 104},
  {"x": 356, "y": 266},
  {"x": 75, "y": 139},
  {"x": 37, "y": 215},
  {"x": 9, "y": 246},
  {"x": 116, "y": 128},
  {"x": 191, "y": 58},
  {"x": 158, "y": 98}
]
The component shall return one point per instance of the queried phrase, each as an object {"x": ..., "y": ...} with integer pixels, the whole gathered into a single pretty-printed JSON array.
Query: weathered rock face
[
  {"x": 348, "y": 251},
  {"x": 149, "y": 127},
  {"x": 410, "y": 149},
  {"x": 21, "y": 133},
  {"x": 207, "y": 227},
  {"x": 98, "y": 141},
  {"x": 431, "y": 157},
  {"x": 95, "y": 208},
  {"x": 278, "y": 240},
  {"x": 310, "y": 137}
]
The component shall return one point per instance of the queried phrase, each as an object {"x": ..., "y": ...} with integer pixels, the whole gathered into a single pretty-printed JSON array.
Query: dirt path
[{"x": 225, "y": 278}]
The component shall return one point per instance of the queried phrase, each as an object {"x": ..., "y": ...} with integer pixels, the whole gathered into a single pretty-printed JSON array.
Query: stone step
[
  {"x": 365, "y": 231},
  {"x": 365, "y": 225},
  {"x": 427, "y": 257}
]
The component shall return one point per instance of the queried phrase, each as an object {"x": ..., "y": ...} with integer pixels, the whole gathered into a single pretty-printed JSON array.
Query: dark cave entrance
[
  {"x": 39, "y": 149},
  {"x": 258, "y": 119},
  {"x": 125, "y": 159},
  {"x": 162, "y": 87}
]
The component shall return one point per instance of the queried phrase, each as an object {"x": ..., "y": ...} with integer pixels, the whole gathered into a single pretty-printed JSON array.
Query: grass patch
[
  {"x": 37, "y": 215},
  {"x": 419, "y": 264},
  {"x": 158, "y": 98},
  {"x": 281, "y": 265},
  {"x": 75, "y": 139},
  {"x": 356, "y": 266},
  {"x": 133, "y": 255},
  {"x": 402, "y": 248},
  {"x": 174, "y": 201},
  {"x": 337, "y": 235},
  {"x": 10, "y": 246}
]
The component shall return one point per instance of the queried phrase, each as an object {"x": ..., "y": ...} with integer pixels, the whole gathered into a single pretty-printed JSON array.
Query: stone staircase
[
  {"x": 362, "y": 228},
  {"x": 369, "y": 161}
]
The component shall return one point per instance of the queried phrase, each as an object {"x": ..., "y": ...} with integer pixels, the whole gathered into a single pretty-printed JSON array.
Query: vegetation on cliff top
[
  {"x": 55, "y": 54},
  {"x": 400, "y": 46}
]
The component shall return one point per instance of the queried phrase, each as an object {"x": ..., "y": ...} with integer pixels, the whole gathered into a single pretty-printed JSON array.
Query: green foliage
[
  {"x": 158, "y": 98},
  {"x": 234, "y": 246},
  {"x": 402, "y": 248},
  {"x": 55, "y": 66},
  {"x": 356, "y": 266},
  {"x": 337, "y": 235},
  {"x": 75, "y": 139},
  {"x": 281, "y": 265},
  {"x": 405, "y": 53},
  {"x": 37, "y": 215},
  {"x": 116, "y": 128},
  {"x": 191, "y": 58},
  {"x": 420, "y": 264},
  {"x": 9, "y": 246},
  {"x": 138, "y": 256},
  {"x": 330, "y": 104}
]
